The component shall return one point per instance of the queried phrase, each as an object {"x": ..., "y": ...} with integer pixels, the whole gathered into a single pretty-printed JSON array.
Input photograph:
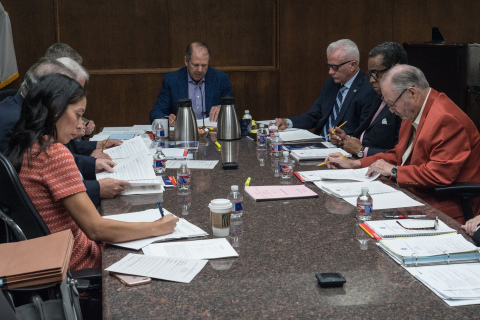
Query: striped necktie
[{"x": 333, "y": 115}]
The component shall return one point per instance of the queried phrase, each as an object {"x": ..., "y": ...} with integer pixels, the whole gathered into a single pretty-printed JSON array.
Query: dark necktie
[{"x": 333, "y": 115}]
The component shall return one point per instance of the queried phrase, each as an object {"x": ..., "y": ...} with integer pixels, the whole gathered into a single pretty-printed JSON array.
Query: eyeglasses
[
  {"x": 434, "y": 227},
  {"x": 390, "y": 106},
  {"x": 335, "y": 67},
  {"x": 375, "y": 73}
]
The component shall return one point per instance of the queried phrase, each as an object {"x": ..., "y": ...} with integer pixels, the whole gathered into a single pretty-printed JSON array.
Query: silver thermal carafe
[
  {"x": 186, "y": 122},
  {"x": 228, "y": 123}
]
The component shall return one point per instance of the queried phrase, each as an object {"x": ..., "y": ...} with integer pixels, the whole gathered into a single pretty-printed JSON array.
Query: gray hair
[
  {"x": 43, "y": 67},
  {"x": 189, "y": 50},
  {"x": 349, "y": 48},
  {"x": 59, "y": 50},
  {"x": 403, "y": 76},
  {"x": 78, "y": 70},
  {"x": 392, "y": 54}
]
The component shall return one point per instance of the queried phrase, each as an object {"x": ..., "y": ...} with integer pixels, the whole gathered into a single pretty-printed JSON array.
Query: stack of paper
[
  {"x": 184, "y": 229},
  {"x": 398, "y": 228},
  {"x": 353, "y": 189},
  {"x": 198, "y": 249},
  {"x": 37, "y": 261},
  {"x": 297, "y": 135},
  {"x": 315, "y": 154}
]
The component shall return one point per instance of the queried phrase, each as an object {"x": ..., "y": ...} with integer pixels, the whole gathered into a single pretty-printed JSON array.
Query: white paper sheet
[
  {"x": 192, "y": 164},
  {"x": 391, "y": 200},
  {"x": 184, "y": 229},
  {"x": 208, "y": 123},
  {"x": 297, "y": 135},
  {"x": 198, "y": 249},
  {"x": 316, "y": 153},
  {"x": 354, "y": 189},
  {"x": 137, "y": 170},
  {"x": 347, "y": 174},
  {"x": 128, "y": 149},
  {"x": 171, "y": 269}
]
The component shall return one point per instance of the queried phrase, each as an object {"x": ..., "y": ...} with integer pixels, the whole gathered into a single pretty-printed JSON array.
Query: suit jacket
[
  {"x": 445, "y": 150},
  {"x": 381, "y": 134},
  {"x": 10, "y": 109},
  {"x": 355, "y": 107},
  {"x": 175, "y": 87}
]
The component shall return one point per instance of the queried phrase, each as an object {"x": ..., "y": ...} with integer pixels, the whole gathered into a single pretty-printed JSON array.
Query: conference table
[{"x": 281, "y": 247}]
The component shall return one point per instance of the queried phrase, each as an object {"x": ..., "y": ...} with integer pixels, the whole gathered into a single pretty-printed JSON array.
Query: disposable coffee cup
[{"x": 220, "y": 210}]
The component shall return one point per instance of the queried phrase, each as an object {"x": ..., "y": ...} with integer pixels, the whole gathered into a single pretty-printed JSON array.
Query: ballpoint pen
[
  {"x": 338, "y": 127},
  {"x": 105, "y": 144},
  {"x": 160, "y": 208},
  {"x": 405, "y": 216},
  {"x": 321, "y": 164}
]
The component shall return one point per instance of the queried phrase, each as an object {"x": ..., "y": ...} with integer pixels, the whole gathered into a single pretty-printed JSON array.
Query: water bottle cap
[
  {"x": 183, "y": 163},
  {"x": 276, "y": 134},
  {"x": 262, "y": 125},
  {"x": 247, "y": 111},
  {"x": 285, "y": 153},
  {"x": 234, "y": 188},
  {"x": 364, "y": 189},
  {"x": 159, "y": 148}
]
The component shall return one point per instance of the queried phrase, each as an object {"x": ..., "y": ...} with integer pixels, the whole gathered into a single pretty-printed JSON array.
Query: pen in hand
[
  {"x": 105, "y": 144},
  {"x": 338, "y": 127},
  {"x": 321, "y": 164},
  {"x": 160, "y": 208}
]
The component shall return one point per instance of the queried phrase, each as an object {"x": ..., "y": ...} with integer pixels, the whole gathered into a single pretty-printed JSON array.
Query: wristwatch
[
  {"x": 393, "y": 173},
  {"x": 360, "y": 153}
]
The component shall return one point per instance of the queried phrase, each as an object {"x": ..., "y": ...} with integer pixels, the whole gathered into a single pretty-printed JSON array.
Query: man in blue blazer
[
  {"x": 347, "y": 83},
  {"x": 196, "y": 81},
  {"x": 379, "y": 132}
]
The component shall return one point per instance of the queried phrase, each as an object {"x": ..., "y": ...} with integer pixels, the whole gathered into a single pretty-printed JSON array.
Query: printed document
[
  {"x": 208, "y": 123},
  {"x": 137, "y": 170},
  {"x": 354, "y": 189},
  {"x": 391, "y": 200},
  {"x": 347, "y": 174},
  {"x": 315, "y": 153},
  {"x": 184, "y": 229},
  {"x": 171, "y": 269},
  {"x": 297, "y": 135},
  {"x": 128, "y": 149},
  {"x": 198, "y": 249},
  {"x": 192, "y": 164}
]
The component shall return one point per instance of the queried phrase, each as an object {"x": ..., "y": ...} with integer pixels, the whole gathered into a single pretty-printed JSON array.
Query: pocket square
[{"x": 384, "y": 121}]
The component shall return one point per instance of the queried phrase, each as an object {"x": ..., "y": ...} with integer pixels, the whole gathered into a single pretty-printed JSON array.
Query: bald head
[{"x": 43, "y": 67}]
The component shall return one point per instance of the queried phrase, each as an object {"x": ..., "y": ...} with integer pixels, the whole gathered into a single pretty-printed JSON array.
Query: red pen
[{"x": 416, "y": 216}]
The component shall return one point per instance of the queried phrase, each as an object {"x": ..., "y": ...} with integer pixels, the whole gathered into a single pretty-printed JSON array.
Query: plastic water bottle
[
  {"x": 276, "y": 145},
  {"x": 262, "y": 135},
  {"x": 159, "y": 161},
  {"x": 237, "y": 201},
  {"x": 364, "y": 205},
  {"x": 272, "y": 129},
  {"x": 158, "y": 130},
  {"x": 248, "y": 116},
  {"x": 236, "y": 223},
  {"x": 183, "y": 176},
  {"x": 286, "y": 166},
  {"x": 276, "y": 166},
  {"x": 261, "y": 155}
]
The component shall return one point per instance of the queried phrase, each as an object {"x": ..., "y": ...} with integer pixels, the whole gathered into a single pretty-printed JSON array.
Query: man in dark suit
[
  {"x": 196, "y": 81},
  {"x": 379, "y": 132},
  {"x": 345, "y": 97}
]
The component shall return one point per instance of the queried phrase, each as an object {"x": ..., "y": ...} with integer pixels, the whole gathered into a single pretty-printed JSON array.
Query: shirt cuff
[
  {"x": 290, "y": 123},
  {"x": 365, "y": 152}
]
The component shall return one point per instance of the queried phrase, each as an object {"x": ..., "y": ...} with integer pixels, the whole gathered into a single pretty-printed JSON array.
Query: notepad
[
  {"x": 282, "y": 192},
  {"x": 391, "y": 229}
]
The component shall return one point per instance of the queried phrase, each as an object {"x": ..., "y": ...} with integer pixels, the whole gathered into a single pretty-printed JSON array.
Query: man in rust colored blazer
[{"x": 438, "y": 143}]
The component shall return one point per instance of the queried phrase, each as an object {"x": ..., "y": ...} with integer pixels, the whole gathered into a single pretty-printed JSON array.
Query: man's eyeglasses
[
  {"x": 434, "y": 227},
  {"x": 375, "y": 73},
  {"x": 335, "y": 67},
  {"x": 390, "y": 106}
]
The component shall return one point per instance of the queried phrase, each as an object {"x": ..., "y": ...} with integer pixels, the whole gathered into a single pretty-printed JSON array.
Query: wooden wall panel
[
  {"x": 33, "y": 29},
  {"x": 457, "y": 20},
  {"x": 307, "y": 28},
  {"x": 116, "y": 34},
  {"x": 238, "y": 32}
]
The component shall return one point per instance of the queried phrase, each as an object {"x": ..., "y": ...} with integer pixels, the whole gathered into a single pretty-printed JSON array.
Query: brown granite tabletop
[{"x": 282, "y": 245}]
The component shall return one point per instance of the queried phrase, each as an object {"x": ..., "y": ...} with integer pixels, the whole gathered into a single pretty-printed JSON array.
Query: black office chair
[
  {"x": 466, "y": 191},
  {"x": 7, "y": 93},
  {"x": 22, "y": 221}
]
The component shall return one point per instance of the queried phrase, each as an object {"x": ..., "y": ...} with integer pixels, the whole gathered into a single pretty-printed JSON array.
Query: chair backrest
[
  {"x": 16, "y": 204},
  {"x": 7, "y": 93}
]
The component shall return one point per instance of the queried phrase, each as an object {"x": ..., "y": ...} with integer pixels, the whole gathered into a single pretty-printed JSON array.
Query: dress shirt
[
  {"x": 196, "y": 92},
  {"x": 382, "y": 105}
]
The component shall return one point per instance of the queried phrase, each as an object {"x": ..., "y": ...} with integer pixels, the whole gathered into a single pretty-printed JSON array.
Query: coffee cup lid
[{"x": 220, "y": 204}]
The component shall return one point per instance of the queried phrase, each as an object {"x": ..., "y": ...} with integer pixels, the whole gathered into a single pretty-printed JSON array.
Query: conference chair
[
  {"x": 22, "y": 221},
  {"x": 7, "y": 93}
]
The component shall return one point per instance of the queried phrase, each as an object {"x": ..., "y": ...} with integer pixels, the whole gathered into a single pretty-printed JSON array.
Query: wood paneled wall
[{"x": 272, "y": 50}]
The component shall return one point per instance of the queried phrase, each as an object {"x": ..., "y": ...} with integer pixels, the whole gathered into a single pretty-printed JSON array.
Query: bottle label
[
  {"x": 159, "y": 163},
  {"x": 238, "y": 206},
  {"x": 261, "y": 138},
  {"x": 184, "y": 179},
  {"x": 364, "y": 209},
  {"x": 272, "y": 132},
  {"x": 276, "y": 147},
  {"x": 160, "y": 133},
  {"x": 286, "y": 168}
]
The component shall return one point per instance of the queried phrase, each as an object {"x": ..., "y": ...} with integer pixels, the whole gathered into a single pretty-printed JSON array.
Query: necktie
[{"x": 335, "y": 111}]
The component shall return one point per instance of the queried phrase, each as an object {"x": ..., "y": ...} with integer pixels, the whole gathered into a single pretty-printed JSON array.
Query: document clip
[
  {"x": 229, "y": 165},
  {"x": 448, "y": 256},
  {"x": 330, "y": 280}
]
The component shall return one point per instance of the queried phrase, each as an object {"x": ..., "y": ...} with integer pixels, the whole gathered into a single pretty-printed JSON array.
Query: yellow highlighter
[
  {"x": 247, "y": 183},
  {"x": 219, "y": 146}
]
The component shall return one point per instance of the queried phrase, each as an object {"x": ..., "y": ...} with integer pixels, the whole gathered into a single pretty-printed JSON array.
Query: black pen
[{"x": 160, "y": 208}]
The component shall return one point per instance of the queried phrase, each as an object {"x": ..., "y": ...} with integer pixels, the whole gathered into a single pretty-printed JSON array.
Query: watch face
[{"x": 360, "y": 154}]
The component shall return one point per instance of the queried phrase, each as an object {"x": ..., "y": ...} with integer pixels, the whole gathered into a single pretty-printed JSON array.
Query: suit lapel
[
  {"x": 351, "y": 93},
  {"x": 182, "y": 83}
]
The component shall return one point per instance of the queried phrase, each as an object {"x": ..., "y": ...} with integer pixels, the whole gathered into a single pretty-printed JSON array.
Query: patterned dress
[{"x": 48, "y": 179}]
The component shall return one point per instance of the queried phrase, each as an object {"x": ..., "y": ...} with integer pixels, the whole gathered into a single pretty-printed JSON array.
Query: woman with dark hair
[{"x": 50, "y": 114}]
